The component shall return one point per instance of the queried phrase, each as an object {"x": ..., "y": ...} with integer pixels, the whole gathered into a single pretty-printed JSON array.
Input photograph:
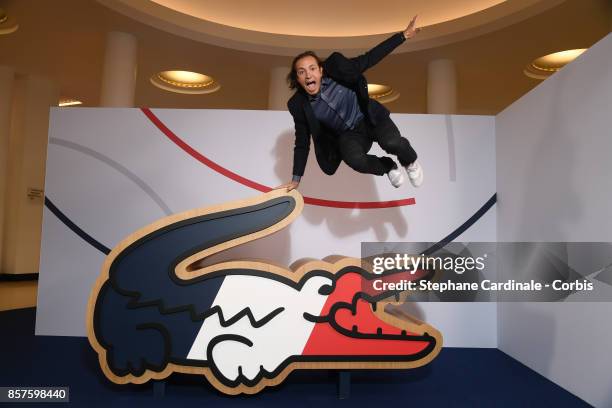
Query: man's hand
[
  {"x": 289, "y": 186},
  {"x": 411, "y": 31}
]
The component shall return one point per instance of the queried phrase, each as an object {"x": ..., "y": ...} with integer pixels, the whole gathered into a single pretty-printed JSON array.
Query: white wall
[
  {"x": 26, "y": 169},
  {"x": 111, "y": 171},
  {"x": 554, "y": 168}
]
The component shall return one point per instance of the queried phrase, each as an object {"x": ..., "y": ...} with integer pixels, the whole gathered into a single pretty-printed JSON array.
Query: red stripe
[{"x": 260, "y": 187}]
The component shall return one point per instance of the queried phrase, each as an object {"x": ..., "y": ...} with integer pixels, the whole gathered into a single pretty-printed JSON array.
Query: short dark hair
[{"x": 292, "y": 76}]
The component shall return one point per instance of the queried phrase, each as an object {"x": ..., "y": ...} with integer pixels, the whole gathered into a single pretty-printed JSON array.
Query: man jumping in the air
[{"x": 332, "y": 104}]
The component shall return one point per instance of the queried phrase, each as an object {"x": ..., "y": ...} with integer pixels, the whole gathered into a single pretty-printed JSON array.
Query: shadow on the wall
[
  {"x": 345, "y": 185},
  {"x": 342, "y": 223}
]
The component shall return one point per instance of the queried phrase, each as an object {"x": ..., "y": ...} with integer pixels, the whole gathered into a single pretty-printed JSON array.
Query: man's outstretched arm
[
  {"x": 383, "y": 49},
  {"x": 300, "y": 149}
]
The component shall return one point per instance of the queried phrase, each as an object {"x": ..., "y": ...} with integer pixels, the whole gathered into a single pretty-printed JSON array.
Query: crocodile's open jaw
[{"x": 351, "y": 324}]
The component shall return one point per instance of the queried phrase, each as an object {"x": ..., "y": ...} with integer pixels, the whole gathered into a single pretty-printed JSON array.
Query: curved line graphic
[
  {"x": 75, "y": 228},
  {"x": 460, "y": 230},
  {"x": 117, "y": 166},
  {"x": 260, "y": 187},
  {"x": 463, "y": 227}
]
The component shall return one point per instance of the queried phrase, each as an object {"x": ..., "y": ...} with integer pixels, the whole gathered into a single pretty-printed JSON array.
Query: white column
[
  {"x": 33, "y": 96},
  {"x": 441, "y": 87},
  {"x": 7, "y": 78},
  {"x": 119, "y": 73},
  {"x": 279, "y": 92}
]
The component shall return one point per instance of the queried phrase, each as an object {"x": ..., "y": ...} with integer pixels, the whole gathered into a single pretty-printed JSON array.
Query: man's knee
[
  {"x": 357, "y": 162},
  {"x": 392, "y": 143}
]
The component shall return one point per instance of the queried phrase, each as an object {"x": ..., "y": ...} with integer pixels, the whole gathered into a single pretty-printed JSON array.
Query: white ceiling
[
  {"x": 286, "y": 27},
  {"x": 324, "y": 18}
]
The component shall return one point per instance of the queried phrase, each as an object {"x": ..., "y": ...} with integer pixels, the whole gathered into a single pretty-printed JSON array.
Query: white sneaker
[
  {"x": 396, "y": 177},
  {"x": 415, "y": 174}
]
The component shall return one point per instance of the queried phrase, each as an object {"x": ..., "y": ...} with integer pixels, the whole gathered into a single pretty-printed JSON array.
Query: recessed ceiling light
[
  {"x": 186, "y": 82},
  {"x": 543, "y": 67},
  {"x": 7, "y": 24},
  {"x": 382, "y": 93},
  {"x": 69, "y": 102}
]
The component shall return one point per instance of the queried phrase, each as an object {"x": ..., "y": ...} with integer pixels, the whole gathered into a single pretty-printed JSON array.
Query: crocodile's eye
[{"x": 326, "y": 290}]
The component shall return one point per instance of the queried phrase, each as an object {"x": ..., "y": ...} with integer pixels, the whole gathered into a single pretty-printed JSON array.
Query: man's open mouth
[{"x": 311, "y": 85}]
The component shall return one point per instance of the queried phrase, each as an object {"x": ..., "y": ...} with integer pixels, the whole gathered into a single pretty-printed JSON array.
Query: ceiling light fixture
[
  {"x": 69, "y": 102},
  {"x": 382, "y": 93},
  {"x": 7, "y": 24},
  {"x": 185, "y": 82},
  {"x": 543, "y": 67}
]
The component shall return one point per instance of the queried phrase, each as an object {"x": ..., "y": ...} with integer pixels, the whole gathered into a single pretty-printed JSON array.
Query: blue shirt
[{"x": 336, "y": 106}]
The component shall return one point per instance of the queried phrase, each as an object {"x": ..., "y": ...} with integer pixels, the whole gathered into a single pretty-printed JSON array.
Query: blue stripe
[
  {"x": 463, "y": 227},
  {"x": 450, "y": 237},
  {"x": 75, "y": 228}
]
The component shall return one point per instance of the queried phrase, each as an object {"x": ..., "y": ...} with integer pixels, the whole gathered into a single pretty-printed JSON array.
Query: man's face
[{"x": 309, "y": 74}]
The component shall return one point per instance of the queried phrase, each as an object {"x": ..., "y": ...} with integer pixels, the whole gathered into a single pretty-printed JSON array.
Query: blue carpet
[{"x": 458, "y": 377}]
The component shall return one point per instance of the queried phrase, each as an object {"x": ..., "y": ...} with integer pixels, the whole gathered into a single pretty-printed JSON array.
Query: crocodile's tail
[
  {"x": 139, "y": 292},
  {"x": 144, "y": 269}
]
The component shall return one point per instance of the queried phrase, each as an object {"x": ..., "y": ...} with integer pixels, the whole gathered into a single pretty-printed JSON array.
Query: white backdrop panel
[{"x": 112, "y": 171}]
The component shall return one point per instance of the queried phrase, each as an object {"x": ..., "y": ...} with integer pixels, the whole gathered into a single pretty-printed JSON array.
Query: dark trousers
[{"x": 354, "y": 145}]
